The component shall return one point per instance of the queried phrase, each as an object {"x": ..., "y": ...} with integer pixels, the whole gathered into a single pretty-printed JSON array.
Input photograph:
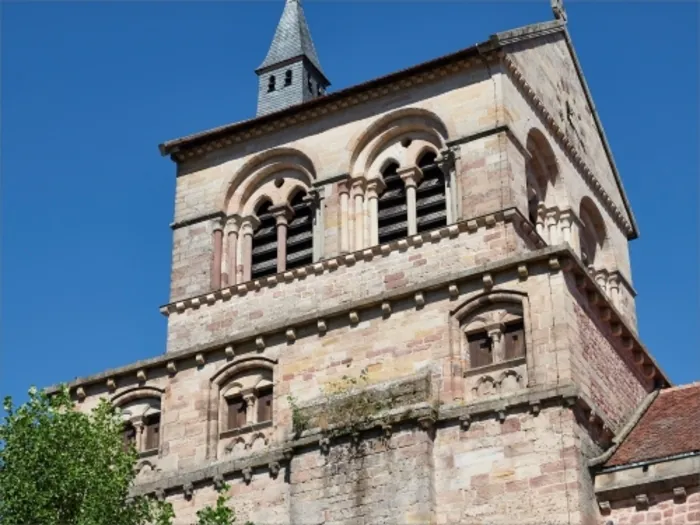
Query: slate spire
[{"x": 291, "y": 72}]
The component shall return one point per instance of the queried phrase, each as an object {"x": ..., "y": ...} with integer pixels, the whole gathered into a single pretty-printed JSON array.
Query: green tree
[
  {"x": 60, "y": 466},
  {"x": 222, "y": 513}
]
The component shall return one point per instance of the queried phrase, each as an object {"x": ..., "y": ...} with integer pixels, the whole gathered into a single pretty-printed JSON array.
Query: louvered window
[
  {"x": 480, "y": 349},
  {"x": 392, "y": 211},
  {"x": 264, "y": 244},
  {"x": 431, "y": 211},
  {"x": 300, "y": 233}
]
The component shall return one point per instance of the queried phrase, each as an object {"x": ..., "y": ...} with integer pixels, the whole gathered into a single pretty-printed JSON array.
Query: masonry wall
[{"x": 663, "y": 509}]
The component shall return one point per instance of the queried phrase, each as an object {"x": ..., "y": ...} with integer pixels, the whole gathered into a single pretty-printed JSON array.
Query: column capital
[
  {"x": 282, "y": 213},
  {"x": 552, "y": 214},
  {"x": 218, "y": 223},
  {"x": 495, "y": 330},
  {"x": 374, "y": 188},
  {"x": 233, "y": 223},
  {"x": 446, "y": 159},
  {"x": 344, "y": 186},
  {"x": 357, "y": 186},
  {"x": 410, "y": 175},
  {"x": 249, "y": 224}
]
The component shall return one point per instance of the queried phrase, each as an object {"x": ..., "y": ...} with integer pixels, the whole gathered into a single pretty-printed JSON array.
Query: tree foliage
[{"x": 60, "y": 466}]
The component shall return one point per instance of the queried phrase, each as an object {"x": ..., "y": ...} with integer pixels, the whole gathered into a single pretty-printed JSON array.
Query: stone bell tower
[{"x": 449, "y": 243}]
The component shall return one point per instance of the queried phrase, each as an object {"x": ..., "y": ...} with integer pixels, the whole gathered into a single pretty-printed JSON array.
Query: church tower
[
  {"x": 291, "y": 72},
  {"x": 446, "y": 247}
]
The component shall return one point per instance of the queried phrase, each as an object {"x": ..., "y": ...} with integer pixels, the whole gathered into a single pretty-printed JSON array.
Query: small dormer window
[
  {"x": 288, "y": 77},
  {"x": 271, "y": 84}
]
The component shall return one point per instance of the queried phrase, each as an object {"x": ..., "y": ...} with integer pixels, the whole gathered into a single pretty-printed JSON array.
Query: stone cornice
[
  {"x": 425, "y": 415},
  {"x": 567, "y": 146},
  {"x": 556, "y": 258}
]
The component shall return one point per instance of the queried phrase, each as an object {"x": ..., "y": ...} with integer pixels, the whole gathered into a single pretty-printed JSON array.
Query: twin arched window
[
  {"x": 141, "y": 419},
  {"x": 430, "y": 210},
  {"x": 284, "y": 238}
]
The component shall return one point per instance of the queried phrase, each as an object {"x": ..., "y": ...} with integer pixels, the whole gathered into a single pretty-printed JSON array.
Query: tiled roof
[
  {"x": 669, "y": 427},
  {"x": 292, "y": 38}
]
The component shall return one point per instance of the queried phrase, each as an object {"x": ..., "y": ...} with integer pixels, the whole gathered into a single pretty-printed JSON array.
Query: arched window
[
  {"x": 300, "y": 232},
  {"x": 271, "y": 84},
  {"x": 288, "y": 77},
  {"x": 431, "y": 211},
  {"x": 264, "y": 255},
  {"x": 249, "y": 399},
  {"x": 392, "y": 210},
  {"x": 494, "y": 334},
  {"x": 141, "y": 420},
  {"x": 592, "y": 233}
]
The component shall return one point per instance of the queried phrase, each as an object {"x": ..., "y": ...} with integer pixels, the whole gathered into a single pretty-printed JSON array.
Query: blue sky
[{"x": 89, "y": 89}]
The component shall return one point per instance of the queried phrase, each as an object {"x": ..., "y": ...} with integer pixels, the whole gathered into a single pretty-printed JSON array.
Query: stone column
[
  {"x": 374, "y": 188},
  {"x": 139, "y": 428},
  {"x": 358, "y": 196},
  {"x": 539, "y": 225},
  {"x": 446, "y": 163},
  {"x": 217, "y": 239},
  {"x": 614, "y": 289},
  {"x": 233, "y": 225},
  {"x": 497, "y": 342},
  {"x": 315, "y": 199},
  {"x": 551, "y": 222},
  {"x": 566, "y": 218},
  {"x": 250, "y": 400},
  {"x": 411, "y": 176},
  {"x": 344, "y": 193},
  {"x": 282, "y": 214},
  {"x": 248, "y": 226}
]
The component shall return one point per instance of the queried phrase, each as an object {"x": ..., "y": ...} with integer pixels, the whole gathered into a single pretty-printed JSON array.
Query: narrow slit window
[
  {"x": 236, "y": 413},
  {"x": 480, "y": 349},
  {"x": 264, "y": 256},
  {"x": 265, "y": 405},
  {"x": 288, "y": 77},
  {"x": 392, "y": 209},
  {"x": 431, "y": 203},
  {"x": 271, "y": 84},
  {"x": 129, "y": 436},
  {"x": 514, "y": 340},
  {"x": 152, "y": 429},
  {"x": 300, "y": 233}
]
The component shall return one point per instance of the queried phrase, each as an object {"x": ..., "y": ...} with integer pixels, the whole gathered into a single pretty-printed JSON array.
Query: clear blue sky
[{"x": 89, "y": 89}]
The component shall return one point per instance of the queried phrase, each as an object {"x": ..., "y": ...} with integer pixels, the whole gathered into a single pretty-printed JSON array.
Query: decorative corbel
[
  {"x": 325, "y": 445},
  {"x": 641, "y": 501},
  {"x": 321, "y": 327},
  {"x": 247, "y": 474},
  {"x": 487, "y": 279},
  {"x": 288, "y": 453},
  {"x": 274, "y": 467},
  {"x": 354, "y": 317},
  {"x": 386, "y": 309},
  {"x": 291, "y": 335},
  {"x": 453, "y": 290},
  {"x": 427, "y": 422},
  {"x": 141, "y": 375},
  {"x": 80, "y": 392},
  {"x": 260, "y": 343},
  {"x": 386, "y": 430},
  {"x": 465, "y": 421},
  {"x": 679, "y": 495},
  {"x": 199, "y": 359},
  {"x": 420, "y": 299},
  {"x": 187, "y": 490},
  {"x": 535, "y": 407},
  {"x": 218, "y": 482},
  {"x": 160, "y": 494},
  {"x": 171, "y": 367},
  {"x": 111, "y": 384},
  {"x": 230, "y": 352}
]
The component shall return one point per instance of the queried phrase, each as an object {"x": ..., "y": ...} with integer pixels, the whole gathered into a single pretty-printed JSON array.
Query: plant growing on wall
[
  {"x": 349, "y": 404},
  {"x": 221, "y": 513}
]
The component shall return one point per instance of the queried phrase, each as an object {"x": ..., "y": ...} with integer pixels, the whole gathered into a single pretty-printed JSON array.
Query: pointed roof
[{"x": 292, "y": 38}]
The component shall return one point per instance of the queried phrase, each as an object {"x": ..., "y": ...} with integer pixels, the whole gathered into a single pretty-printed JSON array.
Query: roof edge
[
  {"x": 634, "y": 234},
  {"x": 495, "y": 42},
  {"x": 629, "y": 426}
]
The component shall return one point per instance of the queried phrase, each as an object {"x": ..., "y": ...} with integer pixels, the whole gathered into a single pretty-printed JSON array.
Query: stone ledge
[
  {"x": 424, "y": 415},
  {"x": 466, "y": 226},
  {"x": 629, "y": 481},
  {"x": 555, "y": 257}
]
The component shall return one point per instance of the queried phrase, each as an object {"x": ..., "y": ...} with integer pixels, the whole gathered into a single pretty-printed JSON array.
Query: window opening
[
  {"x": 431, "y": 210},
  {"x": 264, "y": 256},
  {"x": 480, "y": 349},
  {"x": 265, "y": 405},
  {"x": 288, "y": 77},
  {"x": 236, "y": 413},
  {"x": 392, "y": 209},
  {"x": 300, "y": 233}
]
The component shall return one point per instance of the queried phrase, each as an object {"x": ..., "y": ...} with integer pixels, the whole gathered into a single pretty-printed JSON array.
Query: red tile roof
[{"x": 669, "y": 427}]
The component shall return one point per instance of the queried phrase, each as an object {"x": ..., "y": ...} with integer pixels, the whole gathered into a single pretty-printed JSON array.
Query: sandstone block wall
[{"x": 663, "y": 509}]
